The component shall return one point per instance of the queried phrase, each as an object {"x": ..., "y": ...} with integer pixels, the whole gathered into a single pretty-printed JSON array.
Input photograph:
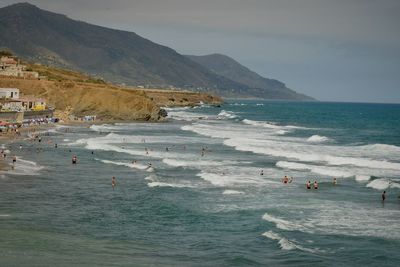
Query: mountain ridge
[{"x": 115, "y": 55}]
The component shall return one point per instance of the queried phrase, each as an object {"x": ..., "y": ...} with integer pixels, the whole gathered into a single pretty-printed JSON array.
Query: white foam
[
  {"x": 382, "y": 184},
  {"x": 227, "y": 114},
  {"x": 287, "y": 244},
  {"x": 323, "y": 170},
  {"x": 306, "y": 153},
  {"x": 230, "y": 179},
  {"x": 195, "y": 163},
  {"x": 25, "y": 167},
  {"x": 288, "y": 225},
  {"x": 232, "y": 192},
  {"x": 362, "y": 178},
  {"x": 187, "y": 116},
  {"x": 161, "y": 184},
  {"x": 317, "y": 139},
  {"x": 127, "y": 164}
]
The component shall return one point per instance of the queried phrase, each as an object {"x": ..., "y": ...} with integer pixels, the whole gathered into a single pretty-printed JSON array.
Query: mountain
[
  {"x": 258, "y": 86},
  {"x": 114, "y": 55}
]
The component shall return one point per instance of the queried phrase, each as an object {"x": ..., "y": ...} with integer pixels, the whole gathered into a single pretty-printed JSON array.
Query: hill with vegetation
[
  {"x": 258, "y": 86},
  {"x": 117, "y": 56},
  {"x": 73, "y": 93}
]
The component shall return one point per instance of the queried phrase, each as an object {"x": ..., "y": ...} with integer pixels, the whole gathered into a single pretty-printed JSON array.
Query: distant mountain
[
  {"x": 117, "y": 56},
  {"x": 258, "y": 86}
]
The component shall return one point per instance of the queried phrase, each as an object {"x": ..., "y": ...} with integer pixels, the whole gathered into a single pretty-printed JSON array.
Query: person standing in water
[
  {"x": 14, "y": 160},
  {"x": 113, "y": 182},
  {"x": 383, "y": 196},
  {"x": 315, "y": 185},
  {"x": 308, "y": 185},
  {"x": 262, "y": 172},
  {"x": 334, "y": 181}
]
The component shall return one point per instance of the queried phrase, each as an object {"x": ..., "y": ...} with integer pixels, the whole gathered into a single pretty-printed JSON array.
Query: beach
[{"x": 189, "y": 191}]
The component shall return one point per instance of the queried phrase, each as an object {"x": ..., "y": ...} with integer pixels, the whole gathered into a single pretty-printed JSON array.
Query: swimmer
[
  {"x": 134, "y": 162},
  {"x": 262, "y": 172},
  {"x": 334, "y": 181},
  {"x": 92, "y": 152},
  {"x": 14, "y": 160},
  {"x": 315, "y": 185},
  {"x": 74, "y": 159},
  {"x": 166, "y": 149},
  {"x": 308, "y": 185},
  {"x": 383, "y": 196},
  {"x": 285, "y": 180},
  {"x": 113, "y": 182},
  {"x": 55, "y": 145}
]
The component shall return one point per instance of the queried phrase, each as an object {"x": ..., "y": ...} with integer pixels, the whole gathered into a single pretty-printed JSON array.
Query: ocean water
[{"x": 203, "y": 201}]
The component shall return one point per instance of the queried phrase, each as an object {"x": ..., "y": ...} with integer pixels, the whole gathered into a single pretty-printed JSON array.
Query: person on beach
[
  {"x": 334, "y": 181},
  {"x": 315, "y": 185},
  {"x": 383, "y": 196},
  {"x": 308, "y": 185},
  {"x": 74, "y": 159},
  {"x": 113, "y": 182}
]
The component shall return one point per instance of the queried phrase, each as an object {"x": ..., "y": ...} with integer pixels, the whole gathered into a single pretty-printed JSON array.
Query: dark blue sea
[{"x": 190, "y": 191}]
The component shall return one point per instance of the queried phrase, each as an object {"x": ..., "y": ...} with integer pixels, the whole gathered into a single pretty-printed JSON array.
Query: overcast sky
[{"x": 336, "y": 50}]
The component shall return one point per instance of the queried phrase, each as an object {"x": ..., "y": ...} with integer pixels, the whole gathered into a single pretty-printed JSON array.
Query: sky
[{"x": 333, "y": 50}]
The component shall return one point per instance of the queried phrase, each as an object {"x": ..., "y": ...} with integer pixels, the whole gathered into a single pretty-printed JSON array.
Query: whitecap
[
  {"x": 317, "y": 139},
  {"x": 287, "y": 244},
  {"x": 232, "y": 192},
  {"x": 161, "y": 184},
  {"x": 382, "y": 184}
]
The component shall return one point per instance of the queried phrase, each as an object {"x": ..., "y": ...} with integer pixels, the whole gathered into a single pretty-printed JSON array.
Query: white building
[{"x": 12, "y": 93}]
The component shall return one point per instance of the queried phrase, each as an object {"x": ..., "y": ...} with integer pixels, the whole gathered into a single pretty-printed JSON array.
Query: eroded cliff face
[
  {"x": 74, "y": 93},
  {"x": 105, "y": 101}
]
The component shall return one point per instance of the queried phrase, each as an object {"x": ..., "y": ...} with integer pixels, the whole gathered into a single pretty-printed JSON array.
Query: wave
[
  {"x": 363, "y": 178},
  {"x": 25, "y": 167},
  {"x": 383, "y": 147},
  {"x": 232, "y": 192},
  {"x": 271, "y": 125},
  {"x": 187, "y": 116},
  {"x": 194, "y": 163},
  {"x": 230, "y": 179},
  {"x": 328, "y": 171},
  {"x": 317, "y": 139},
  {"x": 288, "y": 225},
  {"x": 161, "y": 184},
  {"x": 227, "y": 114},
  {"x": 127, "y": 164},
  {"x": 382, "y": 184},
  {"x": 287, "y": 244},
  {"x": 299, "y": 152}
]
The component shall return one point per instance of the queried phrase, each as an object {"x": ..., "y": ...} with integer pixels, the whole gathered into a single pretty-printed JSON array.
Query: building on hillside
[
  {"x": 9, "y": 66},
  {"x": 33, "y": 103},
  {"x": 11, "y": 105},
  {"x": 12, "y": 93}
]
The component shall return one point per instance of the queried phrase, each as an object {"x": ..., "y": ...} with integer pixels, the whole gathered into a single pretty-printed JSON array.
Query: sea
[{"x": 189, "y": 191}]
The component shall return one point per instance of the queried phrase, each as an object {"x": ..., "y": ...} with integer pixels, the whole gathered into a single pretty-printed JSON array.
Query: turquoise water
[{"x": 215, "y": 209}]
